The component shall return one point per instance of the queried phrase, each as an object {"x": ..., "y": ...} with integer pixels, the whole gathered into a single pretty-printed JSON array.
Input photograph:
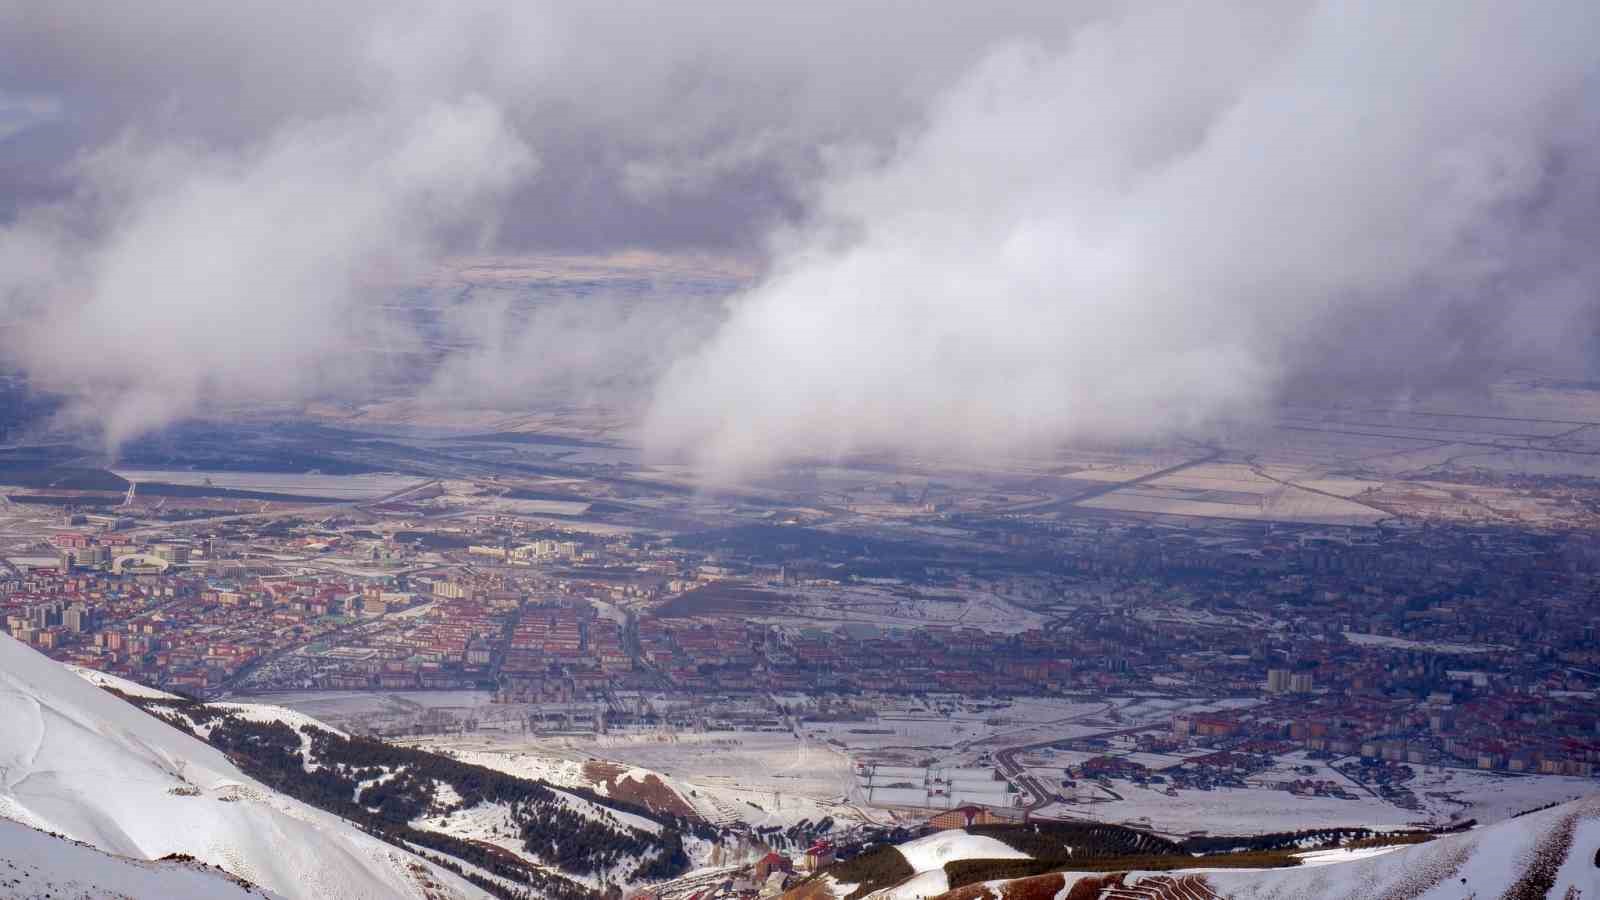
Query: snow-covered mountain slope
[
  {"x": 1553, "y": 853},
  {"x": 510, "y": 835},
  {"x": 35, "y": 865},
  {"x": 76, "y": 760}
]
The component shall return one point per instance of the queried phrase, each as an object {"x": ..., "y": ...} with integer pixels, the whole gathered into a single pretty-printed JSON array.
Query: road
[
  {"x": 1260, "y": 471},
  {"x": 1007, "y": 761},
  {"x": 321, "y": 510},
  {"x": 1051, "y": 504}
]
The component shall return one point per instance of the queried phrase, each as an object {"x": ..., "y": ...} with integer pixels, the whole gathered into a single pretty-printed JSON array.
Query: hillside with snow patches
[
  {"x": 1553, "y": 853},
  {"x": 928, "y": 855},
  {"x": 302, "y": 809},
  {"x": 80, "y": 762}
]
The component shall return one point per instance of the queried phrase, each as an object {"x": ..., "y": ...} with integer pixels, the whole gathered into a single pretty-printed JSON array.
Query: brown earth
[{"x": 651, "y": 793}]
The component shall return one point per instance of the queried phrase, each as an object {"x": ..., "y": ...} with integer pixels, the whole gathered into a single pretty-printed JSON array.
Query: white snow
[
  {"x": 78, "y": 761},
  {"x": 1336, "y": 856},
  {"x": 549, "y": 769},
  {"x": 932, "y": 852},
  {"x": 922, "y": 885},
  {"x": 34, "y": 864},
  {"x": 118, "y": 683},
  {"x": 260, "y": 712}
]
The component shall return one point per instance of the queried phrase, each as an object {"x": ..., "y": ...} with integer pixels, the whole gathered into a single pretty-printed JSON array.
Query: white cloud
[{"x": 1166, "y": 223}]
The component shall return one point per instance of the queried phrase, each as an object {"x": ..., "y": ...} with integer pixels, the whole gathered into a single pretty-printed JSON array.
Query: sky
[{"x": 974, "y": 228}]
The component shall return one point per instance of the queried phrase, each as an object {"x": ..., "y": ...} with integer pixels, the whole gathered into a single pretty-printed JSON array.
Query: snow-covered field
[
  {"x": 771, "y": 778},
  {"x": 1398, "y": 643},
  {"x": 883, "y": 606},
  {"x": 1231, "y": 811},
  {"x": 337, "y": 707},
  {"x": 1491, "y": 797},
  {"x": 388, "y": 711},
  {"x": 1446, "y": 794},
  {"x": 344, "y": 487},
  {"x": 958, "y": 735},
  {"x": 763, "y": 778}
]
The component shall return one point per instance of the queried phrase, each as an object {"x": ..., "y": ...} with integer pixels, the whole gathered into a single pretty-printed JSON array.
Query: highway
[
  {"x": 1041, "y": 796},
  {"x": 321, "y": 510},
  {"x": 1053, "y": 504}
]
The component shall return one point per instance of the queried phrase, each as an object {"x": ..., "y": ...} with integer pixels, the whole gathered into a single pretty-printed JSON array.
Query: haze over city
[{"x": 830, "y": 451}]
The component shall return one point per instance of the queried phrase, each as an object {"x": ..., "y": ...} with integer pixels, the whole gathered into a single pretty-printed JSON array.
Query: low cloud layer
[
  {"x": 1171, "y": 221},
  {"x": 180, "y": 276},
  {"x": 981, "y": 227},
  {"x": 207, "y": 205},
  {"x": 606, "y": 350}
]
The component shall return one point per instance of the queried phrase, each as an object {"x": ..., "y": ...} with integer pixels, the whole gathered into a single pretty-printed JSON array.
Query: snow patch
[
  {"x": 918, "y": 887},
  {"x": 926, "y": 854}
]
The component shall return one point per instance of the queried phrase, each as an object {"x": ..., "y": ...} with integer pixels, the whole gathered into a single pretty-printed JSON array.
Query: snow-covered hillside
[
  {"x": 78, "y": 761},
  {"x": 927, "y": 856},
  {"x": 1552, "y": 853},
  {"x": 934, "y": 850},
  {"x": 512, "y": 836},
  {"x": 34, "y": 864}
]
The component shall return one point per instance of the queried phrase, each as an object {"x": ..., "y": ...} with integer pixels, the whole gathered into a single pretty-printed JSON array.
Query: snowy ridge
[
  {"x": 76, "y": 760},
  {"x": 119, "y": 684},
  {"x": 35, "y": 864}
]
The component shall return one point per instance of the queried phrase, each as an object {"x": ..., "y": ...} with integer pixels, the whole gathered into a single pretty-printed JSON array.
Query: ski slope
[{"x": 77, "y": 760}]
